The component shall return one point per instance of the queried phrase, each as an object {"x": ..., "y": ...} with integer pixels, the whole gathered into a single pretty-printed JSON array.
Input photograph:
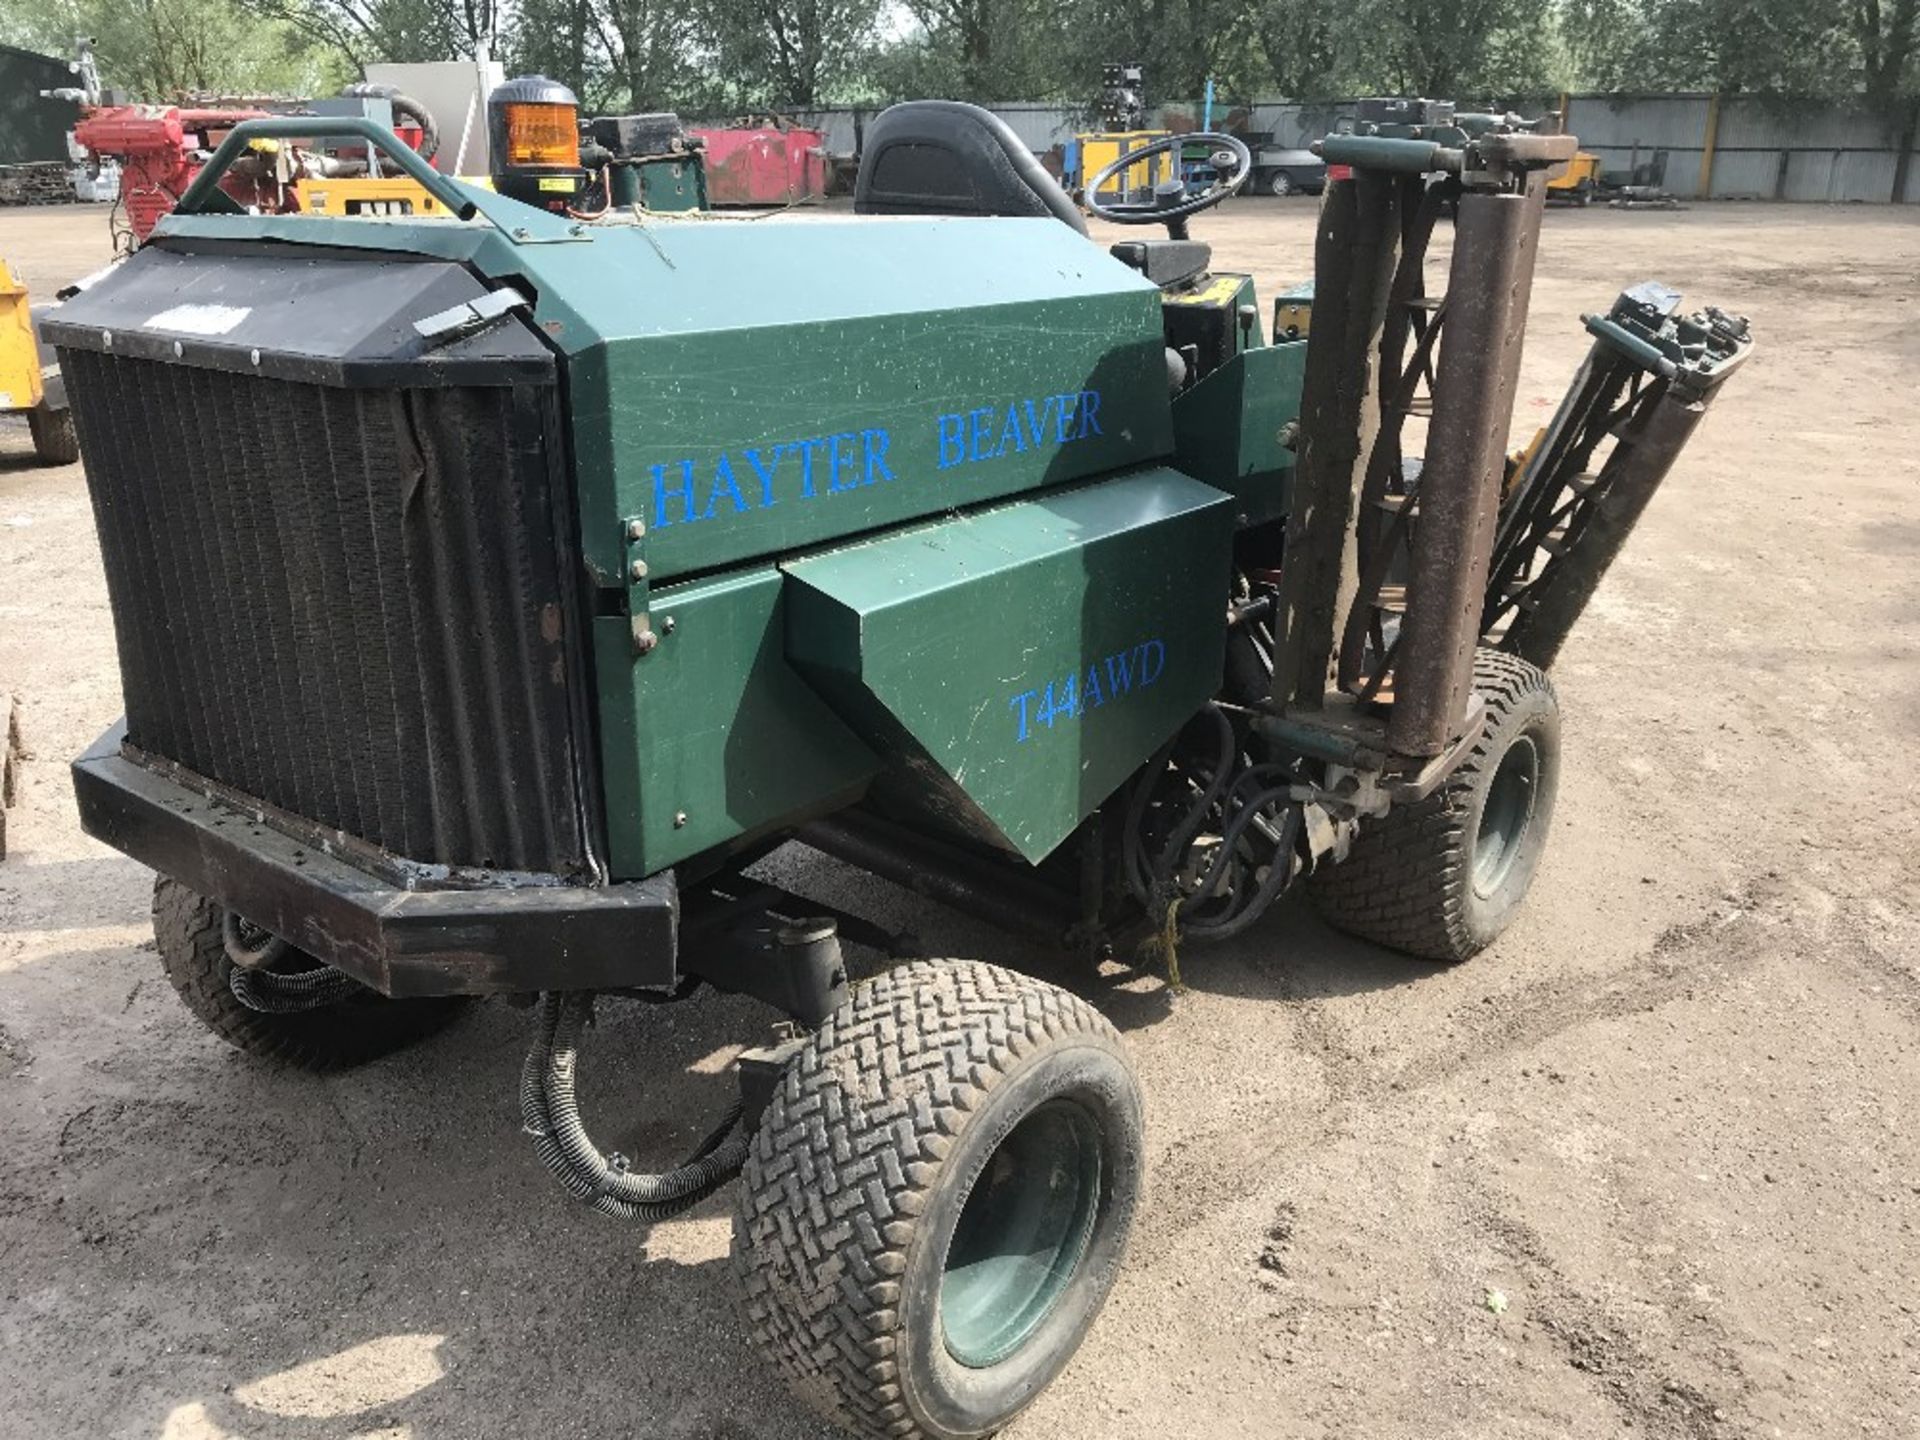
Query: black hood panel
[{"x": 292, "y": 312}]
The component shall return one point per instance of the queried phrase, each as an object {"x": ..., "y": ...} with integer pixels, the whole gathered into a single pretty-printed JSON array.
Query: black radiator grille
[{"x": 344, "y": 602}]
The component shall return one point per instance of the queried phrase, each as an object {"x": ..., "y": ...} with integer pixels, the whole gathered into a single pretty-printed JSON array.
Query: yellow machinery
[
  {"x": 1579, "y": 182},
  {"x": 26, "y": 382},
  {"x": 1095, "y": 151},
  {"x": 364, "y": 195}
]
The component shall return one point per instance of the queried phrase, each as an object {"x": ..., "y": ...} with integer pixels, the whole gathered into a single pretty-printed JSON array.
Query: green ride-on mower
[{"x": 492, "y": 593}]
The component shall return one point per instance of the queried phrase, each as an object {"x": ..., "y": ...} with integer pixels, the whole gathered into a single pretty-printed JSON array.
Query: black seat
[{"x": 940, "y": 157}]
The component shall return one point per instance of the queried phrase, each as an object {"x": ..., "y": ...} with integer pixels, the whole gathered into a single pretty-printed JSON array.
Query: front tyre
[
  {"x": 55, "y": 441},
  {"x": 1280, "y": 183},
  {"x": 190, "y": 932},
  {"x": 937, "y": 1200},
  {"x": 1441, "y": 878}
]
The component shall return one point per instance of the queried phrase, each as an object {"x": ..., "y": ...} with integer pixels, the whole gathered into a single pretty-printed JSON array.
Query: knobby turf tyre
[
  {"x": 55, "y": 441},
  {"x": 1427, "y": 878},
  {"x": 950, "y": 1119},
  {"x": 187, "y": 930}
]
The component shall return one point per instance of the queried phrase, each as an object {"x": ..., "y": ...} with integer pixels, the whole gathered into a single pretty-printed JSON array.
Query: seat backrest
[{"x": 940, "y": 157}]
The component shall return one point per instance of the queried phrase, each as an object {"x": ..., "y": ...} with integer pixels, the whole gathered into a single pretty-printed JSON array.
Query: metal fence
[{"x": 1740, "y": 148}]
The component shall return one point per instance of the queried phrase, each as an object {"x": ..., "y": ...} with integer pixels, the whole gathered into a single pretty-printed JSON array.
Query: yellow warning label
[
  {"x": 1220, "y": 292},
  {"x": 565, "y": 183}
]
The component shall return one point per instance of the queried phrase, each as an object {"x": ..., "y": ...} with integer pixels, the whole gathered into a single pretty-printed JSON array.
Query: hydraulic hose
[
  {"x": 256, "y": 985},
  {"x": 403, "y": 105},
  {"x": 550, "y": 1113},
  {"x": 275, "y": 994},
  {"x": 1238, "y": 798}
]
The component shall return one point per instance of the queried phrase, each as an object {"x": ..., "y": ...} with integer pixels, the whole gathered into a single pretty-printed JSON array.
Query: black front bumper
[{"x": 403, "y": 940}]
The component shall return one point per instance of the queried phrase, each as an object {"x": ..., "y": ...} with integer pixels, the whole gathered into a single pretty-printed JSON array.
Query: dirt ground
[{"x": 1650, "y": 1167}]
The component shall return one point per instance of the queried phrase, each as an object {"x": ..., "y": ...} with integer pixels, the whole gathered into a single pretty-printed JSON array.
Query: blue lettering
[
  {"x": 807, "y": 448},
  {"x": 1049, "y": 708},
  {"x": 837, "y": 463},
  {"x": 840, "y": 455},
  {"x": 953, "y": 440},
  {"x": 1021, "y": 700},
  {"x": 1037, "y": 424},
  {"x": 1010, "y": 434},
  {"x": 764, "y": 470},
  {"x": 1109, "y": 678},
  {"x": 725, "y": 484},
  {"x": 988, "y": 434},
  {"x": 662, "y": 490},
  {"x": 874, "y": 442},
  {"x": 1089, "y": 415},
  {"x": 1153, "y": 659},
  {"x": 978, "y": 433}
]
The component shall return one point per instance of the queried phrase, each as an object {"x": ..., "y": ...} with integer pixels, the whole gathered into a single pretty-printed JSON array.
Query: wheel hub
[
  {"x": 1022, "y": 1233},
  {"x": 1505, "y": 816}
]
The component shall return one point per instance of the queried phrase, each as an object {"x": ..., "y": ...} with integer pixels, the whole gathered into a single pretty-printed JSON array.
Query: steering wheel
[{"x": 1171, "y": 205}]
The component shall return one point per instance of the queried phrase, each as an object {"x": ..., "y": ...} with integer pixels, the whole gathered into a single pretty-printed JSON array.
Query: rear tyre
[
  {"x": 937, "y": 1200},
  {"x": 1441, "y": 878},
  {"x": 187, "y": 928},
  {"x": 54, "y": 439},
  {"x": 1280, "y": 183}
]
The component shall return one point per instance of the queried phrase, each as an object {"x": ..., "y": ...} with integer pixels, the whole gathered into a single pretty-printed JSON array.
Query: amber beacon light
[{"x": 534, "y": 126}]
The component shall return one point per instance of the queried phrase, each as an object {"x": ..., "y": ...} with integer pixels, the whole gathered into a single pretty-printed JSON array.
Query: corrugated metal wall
[{"x": 1764, "y": 149}]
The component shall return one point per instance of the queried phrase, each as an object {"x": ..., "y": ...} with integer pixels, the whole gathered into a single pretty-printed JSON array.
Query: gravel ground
[{"x": 1669, "y": 1118}]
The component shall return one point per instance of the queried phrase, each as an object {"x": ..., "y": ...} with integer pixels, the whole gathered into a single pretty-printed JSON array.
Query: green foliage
[
  {"x": 160, "y": 49},
  {"x": 732, "y": 56},
  {"x": 393, "y": 30},
  {"x": 1825, "y": 48},
  {"x": 796, "y": 53}
]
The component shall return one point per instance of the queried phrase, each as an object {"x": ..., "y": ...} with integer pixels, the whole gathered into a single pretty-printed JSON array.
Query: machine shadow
[
  {"x": 1288, "y": 956},
  {"x": 380, "y": 1250}
]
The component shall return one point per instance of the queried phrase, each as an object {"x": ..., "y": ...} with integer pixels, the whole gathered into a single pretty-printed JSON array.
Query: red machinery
[
  {"x": 160, "y": 149},
  {"x": 764, "y": 164}
]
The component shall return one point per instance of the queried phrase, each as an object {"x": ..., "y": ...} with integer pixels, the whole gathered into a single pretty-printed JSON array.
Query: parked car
[{"x": 1279, "y": 171}]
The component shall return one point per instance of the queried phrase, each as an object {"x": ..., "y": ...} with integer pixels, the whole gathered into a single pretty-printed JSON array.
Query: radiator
[{"x": 345, "y": 603}]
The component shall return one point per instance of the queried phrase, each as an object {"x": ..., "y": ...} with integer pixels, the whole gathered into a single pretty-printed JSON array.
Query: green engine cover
[
  {"x": 714, "y": 736},
  {"x": 741, "y": 390},
  {"x": 1231, "y": 430},
  {"x": 890, "y": 481},
  {"x": 1016, "y": 665}
]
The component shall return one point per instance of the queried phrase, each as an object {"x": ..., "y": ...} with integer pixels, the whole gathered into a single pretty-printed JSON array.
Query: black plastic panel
[{"x": 295, "y": 313}]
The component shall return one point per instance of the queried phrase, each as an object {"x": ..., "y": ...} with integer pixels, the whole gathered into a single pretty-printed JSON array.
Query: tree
[
  {"x": 634, "y": 55},
  {"x": 1762, "y": 47},
  {"x": 984, "y": 50},
  {"x": 1464, "y": 50},
  {"x": 796, "y": 53},
  {"x": 160, "y": 50},
  {"x": 392, "y": 30},
  {"x": 1886, "y": 35},
  {"x": 1300, "y": 41}
]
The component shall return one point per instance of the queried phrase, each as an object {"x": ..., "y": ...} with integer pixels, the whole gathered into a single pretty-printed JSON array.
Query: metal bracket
[
  {"x": 795, "y": 966},
  {"x": 469, "y": 316},
  {"x": 759, "y": 1071}
]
